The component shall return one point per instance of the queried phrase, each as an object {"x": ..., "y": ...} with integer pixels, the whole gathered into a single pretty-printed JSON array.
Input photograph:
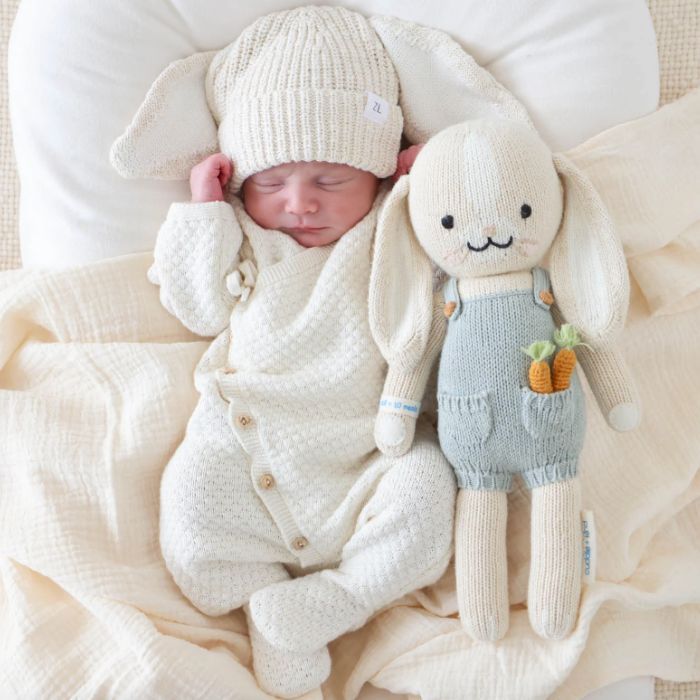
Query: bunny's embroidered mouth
[{"x": 490, "y": 242}]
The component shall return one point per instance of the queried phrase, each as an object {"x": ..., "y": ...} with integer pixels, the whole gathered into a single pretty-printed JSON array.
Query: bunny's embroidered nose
[{"x": 489, "y": 231}]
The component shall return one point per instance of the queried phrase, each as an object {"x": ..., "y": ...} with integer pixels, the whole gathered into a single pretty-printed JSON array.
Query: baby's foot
[
  {"x": 306, "y": 613},
  {"x": 285, "y": 674}
]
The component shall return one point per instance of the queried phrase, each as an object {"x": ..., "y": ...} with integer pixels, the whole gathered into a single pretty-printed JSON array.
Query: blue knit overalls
[{"x": 491, "y": 425}]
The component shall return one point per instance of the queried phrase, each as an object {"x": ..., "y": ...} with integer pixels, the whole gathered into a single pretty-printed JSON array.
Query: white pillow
[{"x": 79, "y": 69}]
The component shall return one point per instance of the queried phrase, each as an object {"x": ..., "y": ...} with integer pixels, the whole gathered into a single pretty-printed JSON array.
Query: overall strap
[
  {"x": 541, "y": 288},
  {"x": 451, "y": 294}
]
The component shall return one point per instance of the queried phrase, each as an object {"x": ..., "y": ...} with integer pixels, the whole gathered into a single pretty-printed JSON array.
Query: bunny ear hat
[
  {"x": 587, "y": 263},
  {"x": 173, "y": 129},
  {"x": 308, "y": 84}
]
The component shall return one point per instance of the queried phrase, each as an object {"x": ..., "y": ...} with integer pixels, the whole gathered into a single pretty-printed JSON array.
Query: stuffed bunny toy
[{"x": 487, "y": 201}]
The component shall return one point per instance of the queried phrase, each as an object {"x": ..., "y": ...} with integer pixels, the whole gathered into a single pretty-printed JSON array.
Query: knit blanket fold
[{"x": 95, "y": 392}]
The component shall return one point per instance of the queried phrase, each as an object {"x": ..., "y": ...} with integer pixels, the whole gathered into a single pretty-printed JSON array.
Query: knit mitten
[
  {"x": 555, "y": 568},
  {"x": 481, "y": 564},
  {"x": 282, "y": 673}
]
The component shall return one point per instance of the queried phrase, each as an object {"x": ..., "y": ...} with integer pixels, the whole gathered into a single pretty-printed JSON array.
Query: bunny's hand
[
  {"x": 395, "y": 425},
  {"x": 612, "y": 385},
  {"x": 611, "y": 382},
  {"x": 404, "y": 387}
]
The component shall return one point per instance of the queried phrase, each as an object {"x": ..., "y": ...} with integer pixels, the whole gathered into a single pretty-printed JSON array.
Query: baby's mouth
[
  {"x": 306, "y": 229},
  {"x": 490, "y": 242}
]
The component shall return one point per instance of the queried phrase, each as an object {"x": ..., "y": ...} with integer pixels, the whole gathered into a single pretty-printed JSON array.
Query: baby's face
[{"x": 314, "y": 202}]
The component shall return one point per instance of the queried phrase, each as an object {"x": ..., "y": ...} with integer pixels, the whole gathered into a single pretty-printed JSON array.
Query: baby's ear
[
  {"x": 441, "y": 84},
  {"x": 173, "y": 129},
  {"x": 401, "y": 284},
  {"x": 587, "y": 263}
]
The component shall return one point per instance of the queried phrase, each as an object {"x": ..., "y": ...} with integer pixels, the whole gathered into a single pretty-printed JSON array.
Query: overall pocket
[
  {"x": 464, "y": 422},
  {"x": 548, "y": 415}
]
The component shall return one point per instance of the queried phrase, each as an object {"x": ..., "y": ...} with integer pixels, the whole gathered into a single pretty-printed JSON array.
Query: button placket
[
  {"x": 266, "y": 481},
  {"x": 244, "y": 420},
  {"x": 300, "y": 543}
]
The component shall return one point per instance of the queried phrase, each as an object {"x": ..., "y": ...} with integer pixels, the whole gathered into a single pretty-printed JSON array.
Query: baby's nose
[
  {"x": 300, "y": 202},
  {"x": 489, "y": 230}
]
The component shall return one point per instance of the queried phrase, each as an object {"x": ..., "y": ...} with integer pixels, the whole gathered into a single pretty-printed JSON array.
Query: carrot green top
[
  {"x": 568, "y": 337},
  {"x": 540, "y": 350}
]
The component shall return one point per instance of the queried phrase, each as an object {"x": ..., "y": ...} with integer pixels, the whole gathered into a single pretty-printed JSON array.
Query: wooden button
[
  {"x": 244, "y": 421},
  {"x": 300, "y": 543},
  {"x": 449, "y": 308},
  {"x": 547, "y": 297},
  {"x": 267, "y": 481}
]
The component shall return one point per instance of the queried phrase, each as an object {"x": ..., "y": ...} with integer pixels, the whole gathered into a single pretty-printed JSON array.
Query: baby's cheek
[{"x": 347, "y": 208}]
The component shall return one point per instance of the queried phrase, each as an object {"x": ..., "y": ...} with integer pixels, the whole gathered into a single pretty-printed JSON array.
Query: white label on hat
[{"x": 376, "y": 109}]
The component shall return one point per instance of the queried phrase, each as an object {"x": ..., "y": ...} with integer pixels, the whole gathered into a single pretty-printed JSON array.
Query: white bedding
[
  {"x": 95, "y": 391},
  {"x": 79, "y": 69}
]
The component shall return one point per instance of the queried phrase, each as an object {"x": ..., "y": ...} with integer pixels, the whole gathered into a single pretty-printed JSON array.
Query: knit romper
[
  {"x": 278, "y": 470},
  {"x": 491, "y": 425}
]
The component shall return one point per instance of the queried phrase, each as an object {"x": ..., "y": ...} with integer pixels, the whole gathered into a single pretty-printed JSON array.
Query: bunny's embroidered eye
[
  {"x": 525, "y": 211},
  {"x": 447, "y": 221}
]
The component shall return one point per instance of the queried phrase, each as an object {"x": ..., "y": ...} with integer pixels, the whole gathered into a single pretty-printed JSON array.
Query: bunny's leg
[
  {"x": 481, "y": 564},
  {"x": 555, "y": 568}
]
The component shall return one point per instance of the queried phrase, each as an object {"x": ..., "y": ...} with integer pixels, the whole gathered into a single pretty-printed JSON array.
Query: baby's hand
[
  {"x": 405, "y": 160},
  {"x": 208, "y": 178}
]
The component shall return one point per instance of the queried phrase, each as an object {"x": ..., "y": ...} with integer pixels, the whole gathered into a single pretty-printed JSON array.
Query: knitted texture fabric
[
  {"x": 309, "y": 84},
  {"x": 491, "y": 424},
  {"x": 278, "y": 466},
  {"x": 480, "y": 538},
  {"x": 554, "y": 588},
  {"x": 283, "y": 673}
]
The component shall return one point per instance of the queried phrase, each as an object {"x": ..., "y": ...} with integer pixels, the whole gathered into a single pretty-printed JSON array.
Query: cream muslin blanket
[{"x": 95, "y": 391}]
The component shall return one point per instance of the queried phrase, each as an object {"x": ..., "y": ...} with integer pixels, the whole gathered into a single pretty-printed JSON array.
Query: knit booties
[
  {"x": 282, "y": 673},
  {"x": 306, "y": 613}
]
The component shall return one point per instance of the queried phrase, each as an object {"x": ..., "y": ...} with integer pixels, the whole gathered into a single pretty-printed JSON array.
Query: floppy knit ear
[
  {"x": 173, "y": 129},
  {"x": 587, "y": 263},
  {"x": 401, "y": 284},
  {"x": 440, "y": 83}
]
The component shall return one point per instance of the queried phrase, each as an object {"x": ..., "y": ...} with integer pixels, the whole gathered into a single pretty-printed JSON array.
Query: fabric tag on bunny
[
  {"x": 376, "y": 109},
  {"x": 401, "y": 407},
  {"x": 590, "y": 553}
]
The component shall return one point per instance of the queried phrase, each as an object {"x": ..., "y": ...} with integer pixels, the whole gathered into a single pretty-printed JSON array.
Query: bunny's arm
[
  {"x": 610, "y": 380},
  {"x": 196, "y": 249},
  {"x": 394, "y": 432}
]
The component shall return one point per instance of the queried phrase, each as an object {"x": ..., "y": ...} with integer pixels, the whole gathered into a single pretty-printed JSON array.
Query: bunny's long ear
[
  {"x": 587, "y": 263},
  {"x": 401, "y": 284},
  {"x": 173, "y": 129},
  {"x": 441, "y": 84}
]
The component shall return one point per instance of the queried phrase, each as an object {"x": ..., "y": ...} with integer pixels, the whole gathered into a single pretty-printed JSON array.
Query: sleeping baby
[{"x": 278, "y": 500}]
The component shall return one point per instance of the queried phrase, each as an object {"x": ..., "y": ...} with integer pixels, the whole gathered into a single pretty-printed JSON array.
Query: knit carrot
[
  {"x": 567, "y": 338},
  {"x": 539, "y": 374}
]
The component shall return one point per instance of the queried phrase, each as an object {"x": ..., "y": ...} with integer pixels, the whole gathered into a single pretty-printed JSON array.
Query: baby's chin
[{"x": 315, "y": 239}]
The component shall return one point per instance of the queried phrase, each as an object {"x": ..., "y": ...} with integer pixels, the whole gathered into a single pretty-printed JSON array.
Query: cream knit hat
[{"x": 314, "y": 83}]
